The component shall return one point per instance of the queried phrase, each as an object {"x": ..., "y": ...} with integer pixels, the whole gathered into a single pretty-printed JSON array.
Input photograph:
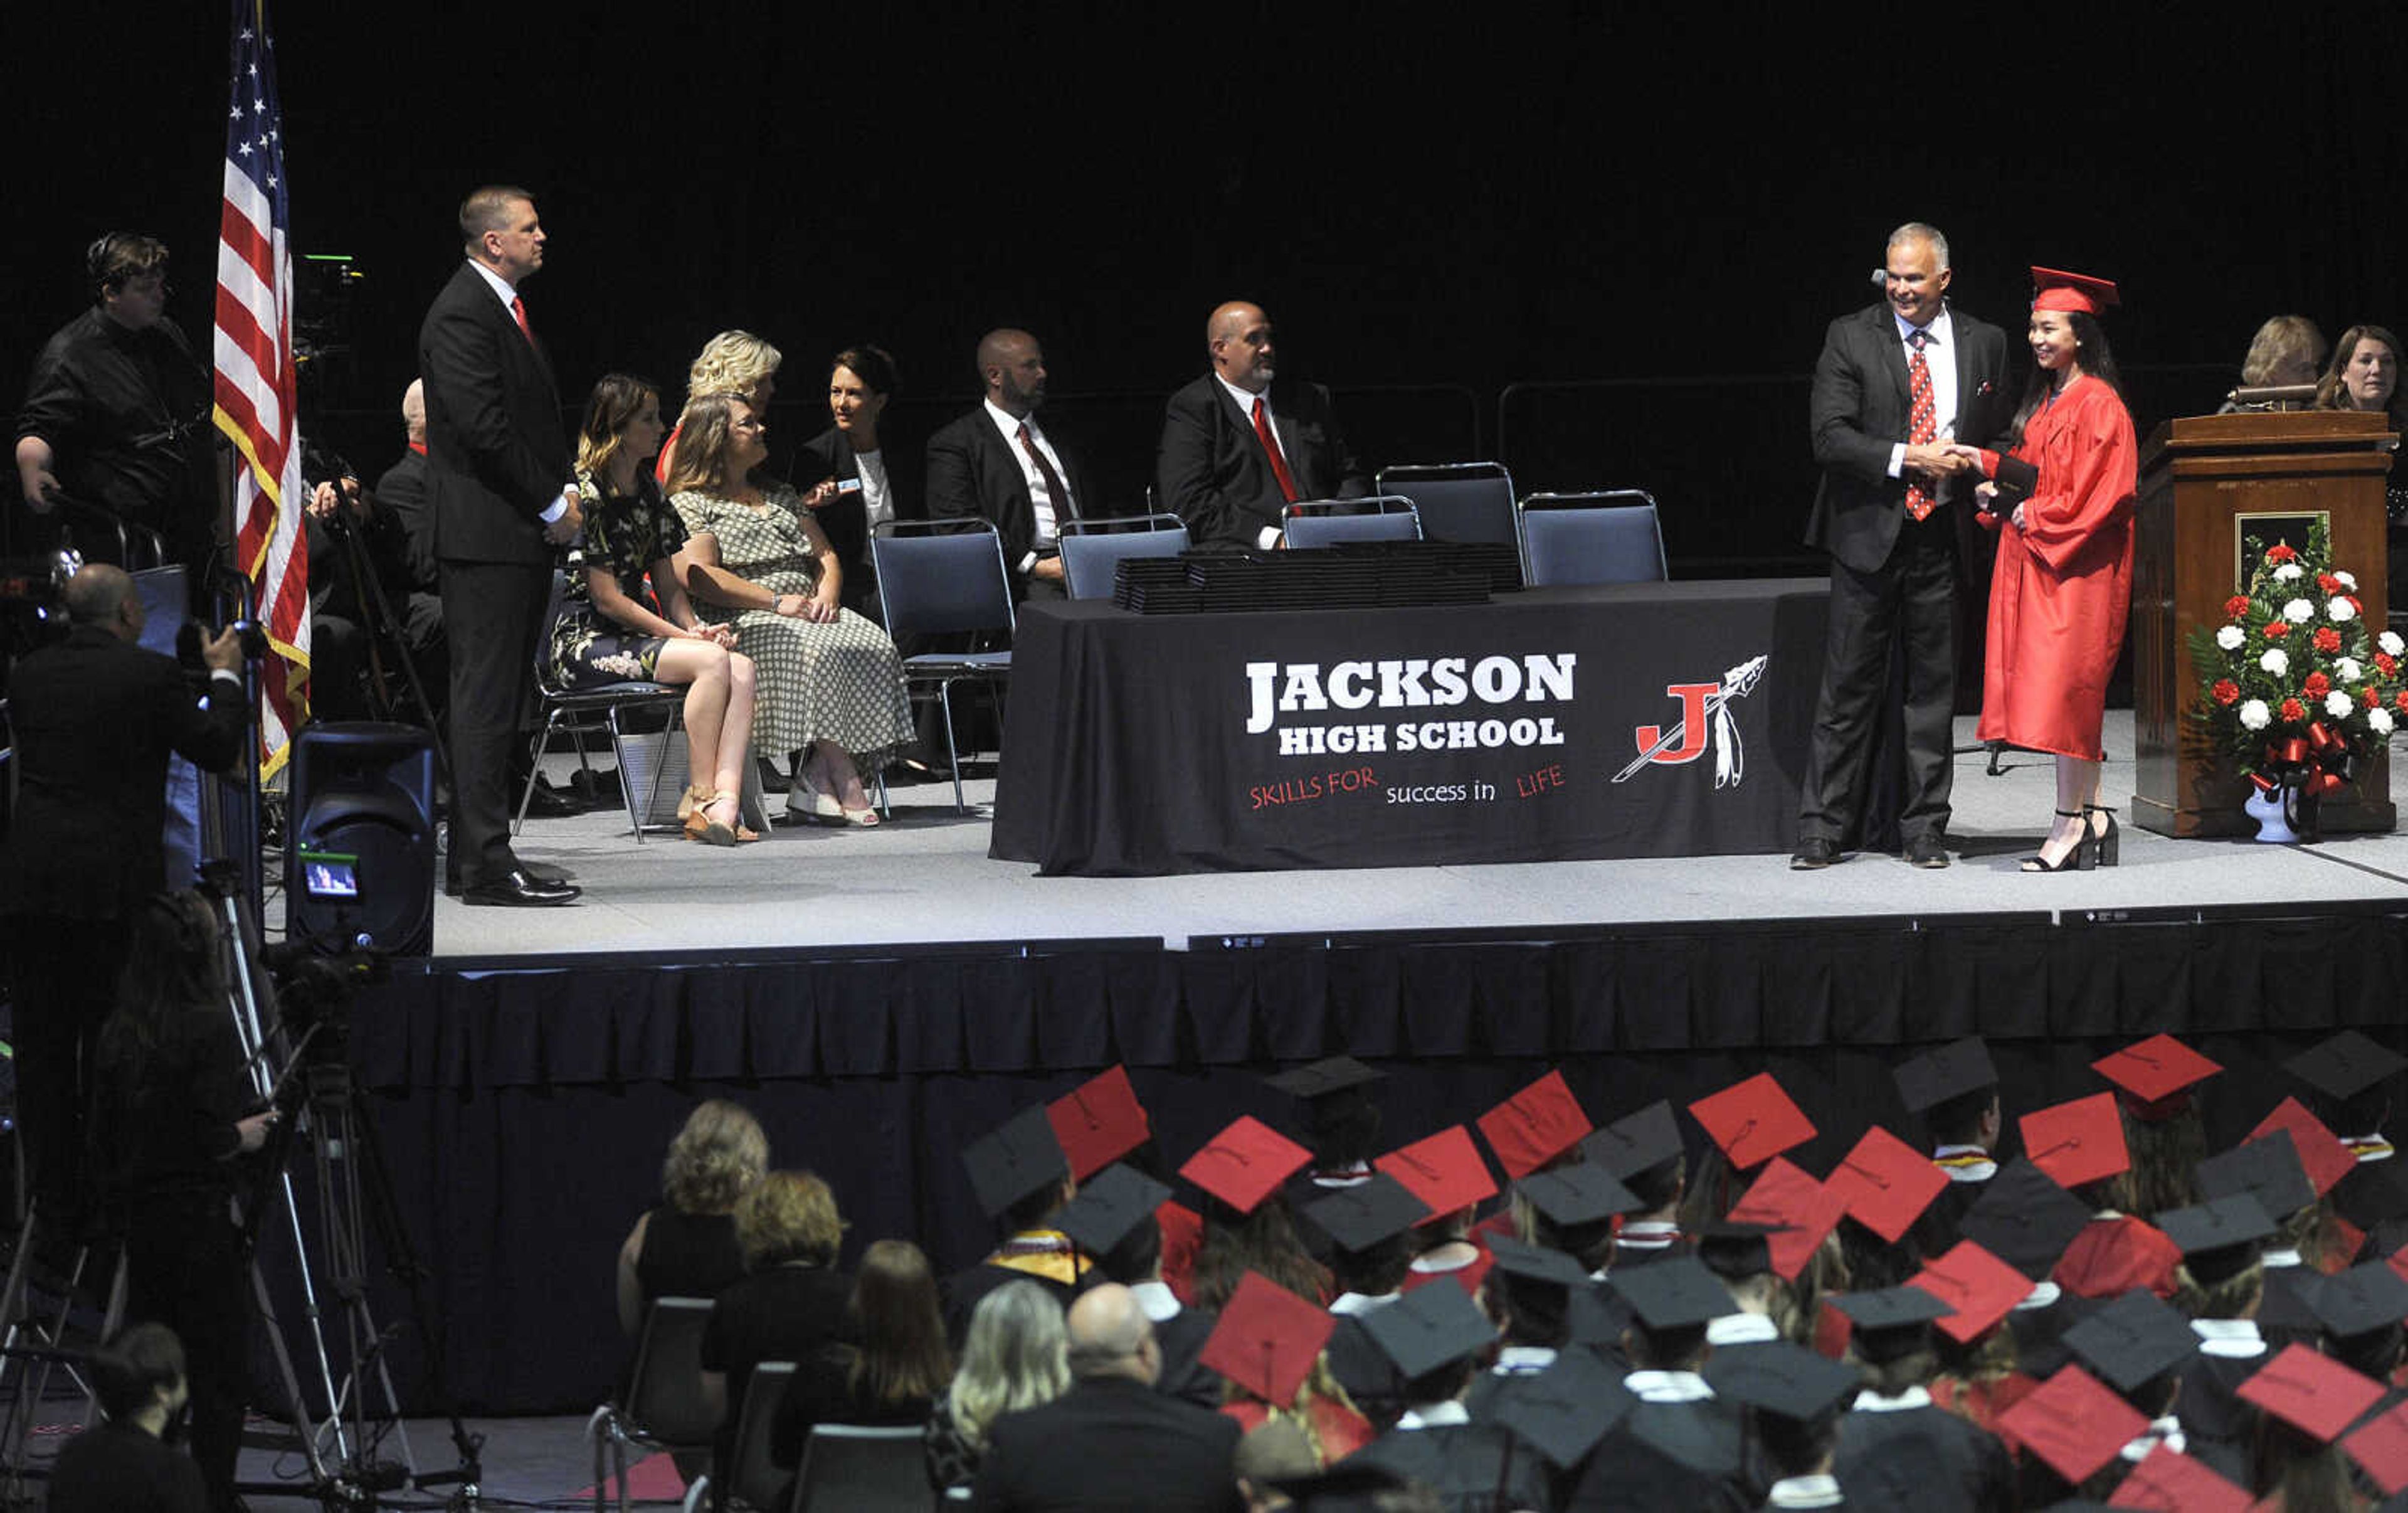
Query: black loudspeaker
[{"x": 358, "y": 847}]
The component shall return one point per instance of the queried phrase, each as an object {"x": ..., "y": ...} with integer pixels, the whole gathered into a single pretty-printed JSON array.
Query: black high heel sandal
[
  {"x": 2109, "y": 841},
  {"x": 2082, "y": 858}
]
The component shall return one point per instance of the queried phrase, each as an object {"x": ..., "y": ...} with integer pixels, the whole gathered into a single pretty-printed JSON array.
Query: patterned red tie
[
  {"x": 518, "y": 313},
  {"x": 1055, "y": 495},
  {"x": 1921, "y": 427},
  {"x": 1272, "y": 447}
]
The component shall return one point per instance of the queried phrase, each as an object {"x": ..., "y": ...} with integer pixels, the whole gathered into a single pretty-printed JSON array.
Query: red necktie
[
  {"x": 1055, "y": 495},
  {"x": 518, "y": 313},
  {"x": 1921, "y": 426},
  {"x": 1271, "y": 448}
]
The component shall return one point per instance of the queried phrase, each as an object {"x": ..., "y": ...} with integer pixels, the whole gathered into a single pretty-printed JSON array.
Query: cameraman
[
  {"x": 344, "y": 518},
  {"x": 93, "y": 717},
  {"x": 174, "y": 1105}
]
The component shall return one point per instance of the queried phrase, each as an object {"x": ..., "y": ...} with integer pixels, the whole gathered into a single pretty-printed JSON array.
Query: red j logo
[{"x": 1690, "y": 733}]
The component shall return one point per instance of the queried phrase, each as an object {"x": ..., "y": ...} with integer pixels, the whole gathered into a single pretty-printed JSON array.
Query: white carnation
[
  {"x": 2337, "y": 705},
  {"x": 2340, "y": 611},
  {"x": 2348, "y": 669},
  {"x": 2392, "y": 644},
  {"x": 2254, "y": 716},
  {"x": 2275, "y": 660},
  {"x": 2287, "y": 573},
  {"x": 2298, "y": 612},
  {"x": 2231, "y": 638},
  {"x": 2346, "y": 581},
  {"x": 2379, "y": 721}
]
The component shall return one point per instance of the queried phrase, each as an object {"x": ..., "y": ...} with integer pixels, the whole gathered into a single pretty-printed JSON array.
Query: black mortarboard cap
[
  {"x": 1783, "y": 1378},
  {"x": 2373, "y": 1193},
  {"x": 1581, "y": 1193},
  {"x": 1952, "y": 1071},
  {"x": 2346, "y": 1065},
  {"x": 1020, "y": 1158},
  {"x": 1677, "y": 1292},
  {"x": 1324, "y": 1078},
  {"x": 1566, "y": 1408},
  {"x": 1890, "y": 1322},
  {"x": 1114, "y": 1202},
  {"x": 1636, "y": 1142},
  {"x": 2362, "y": 1300},
  {"x": 1369, "y": 1212},
  {"x": 1429, "y": 1327},
  {"x": 2266, "y": 1168},
  {"x": 1733, "y": 1249},
  {"x": 2220, "y": 1238},
  {"x": 2025, "y": 1218},
  {"x": 2132, "y": 1340},
  {"x": 1536, "y": 1263}
]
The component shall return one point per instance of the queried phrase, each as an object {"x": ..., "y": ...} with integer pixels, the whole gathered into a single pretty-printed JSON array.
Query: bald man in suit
[{"x": 1241, "y": 444}]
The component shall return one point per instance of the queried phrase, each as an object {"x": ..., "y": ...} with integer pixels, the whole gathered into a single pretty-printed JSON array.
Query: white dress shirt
[
  {"x": 1044, "y": 535},
  {"x": 1268, "y": 536}
]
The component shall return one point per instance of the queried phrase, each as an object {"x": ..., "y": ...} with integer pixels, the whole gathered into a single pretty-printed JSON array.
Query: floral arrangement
[{"x": 2290, "y": 684}]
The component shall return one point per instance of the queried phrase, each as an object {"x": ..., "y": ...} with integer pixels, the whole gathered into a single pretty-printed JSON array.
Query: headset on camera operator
[
  {"x": 116, "y": 419},
  {"x": 173, "y": 1109},
  {"x": 95, "y": 717},
  {"x": 138, "y": 1377}
]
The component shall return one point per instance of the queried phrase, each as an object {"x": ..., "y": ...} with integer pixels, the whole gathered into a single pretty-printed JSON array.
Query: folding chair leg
[
  {"x": 953, "y": 747},
  {"x": 535, "y": 771}
]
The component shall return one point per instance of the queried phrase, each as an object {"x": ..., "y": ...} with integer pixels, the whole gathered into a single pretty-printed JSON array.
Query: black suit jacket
[
  {"x": 973, "y": 473},
  {"x": 402, "y": 491},
  {"x": 1111, "y": 1443},
  {"x": 496, "y": 453},
  {"x": 1860, "y": 410},
  {"x": 94, "y": 719},
  {"x": 829, "y": 455},
  {"x": 1211, "y": 469}
]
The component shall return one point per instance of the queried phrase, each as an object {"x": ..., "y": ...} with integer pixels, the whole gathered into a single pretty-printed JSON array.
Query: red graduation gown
[{"x": 2063, "y": 584}]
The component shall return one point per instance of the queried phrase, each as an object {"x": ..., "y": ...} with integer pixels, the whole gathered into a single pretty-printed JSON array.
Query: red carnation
[
  {"x": 2294, "y": 709},
  {"x": 2372, "y": 697},
  {"x": 2316, "y": 685},
  {"x": 2329, "y": 584},
  {"x": 2356, "y": 607},
  {"x": 2399, "y": 700},
  {"x": 2227, "y": 692},
  {"x": 2236, "y": 606},
  {"x": 2280, "y": 552},
  {"x": 2328, "y": 638},
  {"x": 2386, "y": 665},
  {"x": 2277, "y": 628}
]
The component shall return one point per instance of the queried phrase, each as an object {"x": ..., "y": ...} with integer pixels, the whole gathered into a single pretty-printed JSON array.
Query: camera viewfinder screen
[{"x": 330, "y": 874}]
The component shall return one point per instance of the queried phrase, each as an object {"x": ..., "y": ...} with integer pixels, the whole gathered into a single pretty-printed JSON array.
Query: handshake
[{"x": 1935, "y": 461}]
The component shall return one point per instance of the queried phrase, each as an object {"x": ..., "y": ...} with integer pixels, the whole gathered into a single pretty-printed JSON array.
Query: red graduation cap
[
  {"x": 1268, "y": 1339},
  {"x": 2314, "y": 1394},
  {"x": 1886, "y": 1183},
  {"x": 2156, "y": 1076},
  {"x": 2055, "y": 289},
  {"x": 1978, "y": 1284},
  {"x": 1534, "y": 1126},
  {"x": 1245, "y": 1163},
  {"x": 2072, "y": 1422},
  {"x": 1806, "y": 1209},
  {"x": 2322, "y": 1154},
  {"x": 2077, "y": 1142},
  {"x": 1444, "y": 1172},
  {"x": 2381, "y": 1447},
  {"x": 1098, "y": 1122},
  {"x": 1752, "y": 1121},
  {"x": 2169, "y": 1480}
]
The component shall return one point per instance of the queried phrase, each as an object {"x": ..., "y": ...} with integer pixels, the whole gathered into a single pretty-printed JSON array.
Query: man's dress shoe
[{"x": 517, "y": 888}]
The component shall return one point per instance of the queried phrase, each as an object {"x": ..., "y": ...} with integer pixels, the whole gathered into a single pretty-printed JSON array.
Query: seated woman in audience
[
  {"x": 829, "y": 683},
  {"x": 1014, "y": 1358},
  {"x": 687, "y": 1246},
  {"x": 790, "y": 1305},
  {"x": 2286, "y": 352},
  {"x": 890, "y": 1366},
  {"x": 2365, "y": 375},
  {"x": 732, "y": 362},
  {"x": 859, "y": 487},
  {"x": 611, "y": 631}
]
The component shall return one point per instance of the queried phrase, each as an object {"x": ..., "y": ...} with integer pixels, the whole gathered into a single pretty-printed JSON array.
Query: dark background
[{"x": 1445, "y": 202}]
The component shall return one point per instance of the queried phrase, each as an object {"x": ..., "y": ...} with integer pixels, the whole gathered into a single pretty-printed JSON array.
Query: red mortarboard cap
[
  {"x": 1444, "y": 1171},
  {"x": 1534, "y": 1126},
  {"x": 2156, "y": 1073},
  {"x": 1266, "y": 1339},
  {"x": 2077, "y": 1142},
  {"x": 2381, "y": 1447},
  {"x": 1466, "y": 1276},
  {"x": 1752, "y": 1121},
  {"x": 2313, "y": 1393},
  {"x": 2322, "y": 1154},
  {"x": 2173, "y": 1481},
  {"x": 1098, "y": 1122},
  {"x": 1245, "y": 1163},
  {"x": 1885, "y": 1183},
  {"x": 1978, "y": 1284},
  {"x": 1808, "y": 1210},
  {"x": 2072, "y": 1422},
  {"x": 2055, "y": 289}
]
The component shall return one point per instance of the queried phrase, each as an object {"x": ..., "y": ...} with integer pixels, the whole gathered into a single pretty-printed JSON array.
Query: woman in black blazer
[{"x": 861, "y": 477}]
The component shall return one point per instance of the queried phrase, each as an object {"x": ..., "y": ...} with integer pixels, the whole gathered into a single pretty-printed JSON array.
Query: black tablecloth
[{"x": 1170, "y": 744}]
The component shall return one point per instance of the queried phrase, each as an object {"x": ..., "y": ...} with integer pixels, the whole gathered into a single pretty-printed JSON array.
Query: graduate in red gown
[{"x": 2061, "y": 502}]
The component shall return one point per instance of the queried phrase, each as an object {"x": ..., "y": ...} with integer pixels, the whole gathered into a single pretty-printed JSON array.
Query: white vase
[{"x": 2267, "y": 809}]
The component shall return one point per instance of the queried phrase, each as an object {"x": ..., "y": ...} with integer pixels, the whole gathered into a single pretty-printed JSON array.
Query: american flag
[{"x": 255, "y": 378}]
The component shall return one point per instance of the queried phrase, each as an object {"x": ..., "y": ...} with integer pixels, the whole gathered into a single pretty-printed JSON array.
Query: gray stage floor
[{"x": 925, "y": 876}]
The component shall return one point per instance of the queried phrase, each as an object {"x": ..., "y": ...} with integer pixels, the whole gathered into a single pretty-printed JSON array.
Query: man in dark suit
[
  {"x": 1897, "y": 383},
  {"x": 497, "y": 466},
  {"x": 997, "y": 464},
  {"x": 1237, "y": 446},
  {"x": 95, "y": 717},
  {"x": 402, "y": 489},
  {"x": 1112, "y": 1441}
]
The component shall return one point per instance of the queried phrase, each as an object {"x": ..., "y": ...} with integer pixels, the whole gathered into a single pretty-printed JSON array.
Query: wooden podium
[{"x": 2208, "y": 482}]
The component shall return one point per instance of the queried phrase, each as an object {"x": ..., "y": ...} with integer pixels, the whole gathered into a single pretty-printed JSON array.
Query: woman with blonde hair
[
  {"x": 2286, "y": 351},
  {"x": 1015, "y": 1356},
  {"x": 687, "y": 1247},
  {"x": 789, "y": 1305},
  {"x": 829, "y": 691},
  {"x": 732, "y": 362}
]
